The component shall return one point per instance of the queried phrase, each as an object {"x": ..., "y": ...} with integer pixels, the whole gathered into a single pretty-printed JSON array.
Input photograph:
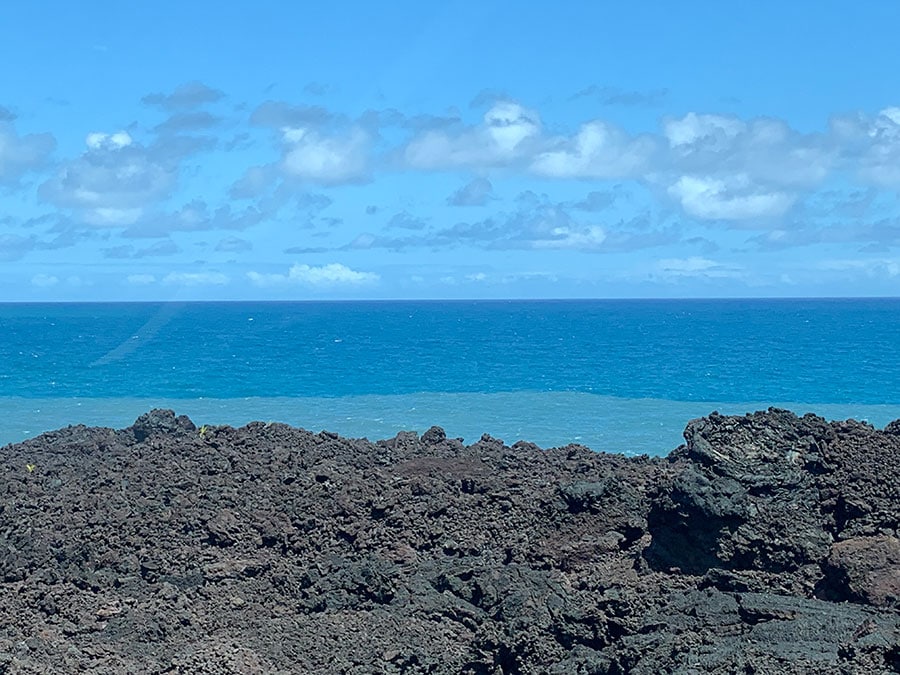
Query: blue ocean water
[{"x": 621, "y": 376}]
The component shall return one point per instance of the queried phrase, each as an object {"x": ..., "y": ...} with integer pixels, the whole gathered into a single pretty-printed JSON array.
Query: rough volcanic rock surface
[{"x": 767, "y": 544}]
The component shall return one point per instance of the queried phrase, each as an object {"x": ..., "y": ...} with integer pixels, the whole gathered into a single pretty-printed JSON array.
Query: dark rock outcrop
[
  {"x": 744, "y": 497},
  {"x": 766, "y": 544}
]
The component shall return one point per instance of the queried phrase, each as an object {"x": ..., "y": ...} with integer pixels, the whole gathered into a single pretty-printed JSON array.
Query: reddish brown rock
[{"x": 866, "y": 569}]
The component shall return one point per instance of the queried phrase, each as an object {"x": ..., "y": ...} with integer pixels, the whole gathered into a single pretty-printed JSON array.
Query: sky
[{"x": 357, "y": 150}]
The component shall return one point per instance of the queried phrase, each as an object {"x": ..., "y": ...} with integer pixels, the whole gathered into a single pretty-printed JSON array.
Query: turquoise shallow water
[
  {"x": 629, "y": 426},
  {"x": 621, "y": 376}
]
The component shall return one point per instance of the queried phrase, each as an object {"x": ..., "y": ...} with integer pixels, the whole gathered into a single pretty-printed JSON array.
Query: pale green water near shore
[{"x": 630, "y": 426}]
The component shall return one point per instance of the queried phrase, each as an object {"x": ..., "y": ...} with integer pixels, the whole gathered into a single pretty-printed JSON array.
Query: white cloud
[
  {"x": 507, "y": 124},
  {"x": 717, "y": 167},
  {"x": 891, "y": 115},
  {"x": 332, "y": 274},
  {"x": 44, "y": 280},
  {"x": 599, "y": 150},
  {"x": 726, "y": 168},
  {"x": 871, "y": 145},
  {"x": 738, "y": 199},
  {"x": 98, "y": 140},
  {"x": 195, "y": 279},
  {"x": 693, "y": 128},
  {"x": 325, "y": 160},
  {"x": 503, "y": 137},
  {"x": 141, "y": 279},
  {"x": 112, "y": 183}
]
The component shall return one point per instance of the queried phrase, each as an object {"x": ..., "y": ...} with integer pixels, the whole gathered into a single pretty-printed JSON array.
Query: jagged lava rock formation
[{"x": 766, "y": 544}]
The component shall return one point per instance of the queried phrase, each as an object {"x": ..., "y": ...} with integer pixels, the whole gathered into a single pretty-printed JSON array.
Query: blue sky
[{"x": 276, "y": 150}]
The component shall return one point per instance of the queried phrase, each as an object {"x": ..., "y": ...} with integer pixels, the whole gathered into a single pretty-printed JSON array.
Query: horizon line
[{"x": 450, "y": 300}]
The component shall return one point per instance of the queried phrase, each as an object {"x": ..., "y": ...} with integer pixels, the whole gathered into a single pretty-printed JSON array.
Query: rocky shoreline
[{"x": 767, "y": 543}]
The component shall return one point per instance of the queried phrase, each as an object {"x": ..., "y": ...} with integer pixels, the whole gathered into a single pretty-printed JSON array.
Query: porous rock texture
[{"x": 767, "y": 543}]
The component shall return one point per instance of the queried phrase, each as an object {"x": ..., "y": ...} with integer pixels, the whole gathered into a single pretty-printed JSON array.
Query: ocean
[{"x": 619, "y": 376}]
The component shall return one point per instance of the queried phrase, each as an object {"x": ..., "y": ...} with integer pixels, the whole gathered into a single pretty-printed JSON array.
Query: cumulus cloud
[
  {"x": 326, "y": 160},
  {"x": 714, "y": 167},
  {"x": 332, "y": 274},
  {"x": 598, "y": 150},
  {"x": 726, "y": 168},
  {"x": 113, "y": 182},
  {"x": 101, "y": 141},
  {"x": 21, "y": 154},
  {"x": 871, "y": 145},
  {"x": 734, "y": 199},
  {"x": 503, "y": 137},
  {"x": 477, "y": 192},
  {"x": 185, "y": 96},
  {"x": 720, "y": 171},
  {"x": 511, "y": 135},
  {"x": 195, "y": 279},
  {"x": 715, "y": 130},
  {"x": 316, "y": 146},
  {"x": 765, "y": 149}
]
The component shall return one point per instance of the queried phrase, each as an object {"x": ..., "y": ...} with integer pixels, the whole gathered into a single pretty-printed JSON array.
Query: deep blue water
[{"x": 811, "y": 352}]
